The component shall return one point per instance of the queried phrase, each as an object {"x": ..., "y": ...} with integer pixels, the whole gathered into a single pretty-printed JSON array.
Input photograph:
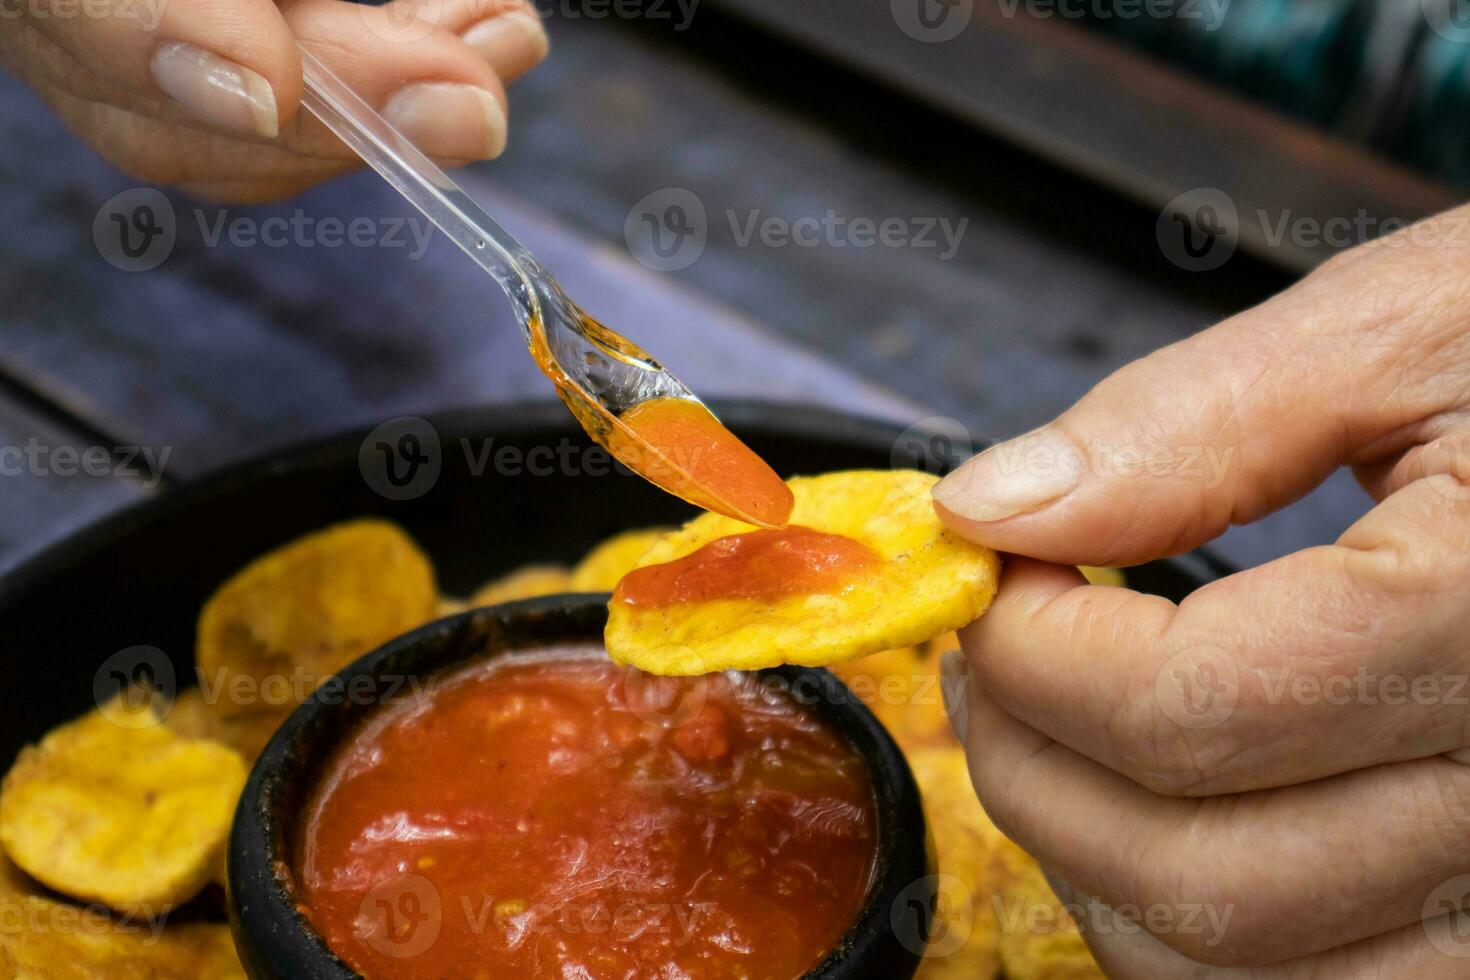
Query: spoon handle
[{"x": 425, "y": 186}]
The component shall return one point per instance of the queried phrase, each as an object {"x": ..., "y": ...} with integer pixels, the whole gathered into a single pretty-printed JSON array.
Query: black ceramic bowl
[{"x": 275, "y": 939}]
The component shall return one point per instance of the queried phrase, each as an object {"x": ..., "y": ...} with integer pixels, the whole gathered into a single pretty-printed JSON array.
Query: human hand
[
  {"x": 205, "y": 93},
  {"x": 1269, "y": 779}
]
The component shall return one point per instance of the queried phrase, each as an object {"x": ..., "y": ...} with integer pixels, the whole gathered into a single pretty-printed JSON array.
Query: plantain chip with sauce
[
  {"x": 602, "y": 567},
  {"x": 926, "y": 581},
  {"x": 134, "y": 817},
  {"x": 292, "y": 618}
]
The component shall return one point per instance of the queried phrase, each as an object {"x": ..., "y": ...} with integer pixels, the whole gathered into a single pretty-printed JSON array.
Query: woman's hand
[
  {"x": 1271, "y": 777},
  {"x": 205, "y": 93}
]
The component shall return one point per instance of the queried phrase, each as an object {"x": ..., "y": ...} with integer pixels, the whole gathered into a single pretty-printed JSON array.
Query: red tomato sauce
[
  {"x": 558, "y": 816},
  {"x": 764, "y": 565},
  {"x": 704, "y": 463}
]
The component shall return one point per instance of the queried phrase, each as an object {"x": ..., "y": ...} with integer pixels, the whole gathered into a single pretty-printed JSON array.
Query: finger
[
  {"x": 1298, "y": 871},
  {"x": 232, "y": 64},
  {"x": 1326, "y": 661},
  {"x": 508, "y": 34},
  {"x": 1233, "y": 423},
  {"x": 428, "y": 83},
  {"x": 1127, "y": 951}
]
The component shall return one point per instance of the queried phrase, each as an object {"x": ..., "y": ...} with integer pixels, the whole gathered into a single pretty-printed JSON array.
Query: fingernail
[
  {"x": 954, "y": 680},
  {"x": 512, "y": 43},
  {"x": 449, "y": 120},
  {"x": 1013, "y": 478},
  {"x": 216, "y": 88}
]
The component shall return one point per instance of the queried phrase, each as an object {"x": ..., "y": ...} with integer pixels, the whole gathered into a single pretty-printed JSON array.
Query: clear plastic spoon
[{"x": 624, "y": 398}]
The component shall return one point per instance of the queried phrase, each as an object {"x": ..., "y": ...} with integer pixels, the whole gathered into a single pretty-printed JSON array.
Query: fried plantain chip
[
  {"x": 602, "y": 567},
  {"x": 292, "y": 618},
  {"x": 1103, "y": 576},
  {"x": 526, "y": 582},
  {"x": 190, "y": 717},
  {"x": 135, "y": 818},
  {"x": 904, "y": 691},
  {"x": 925, "y": 581},
  {"x": 45, "y": 939},
  {"x": 1039, "y": 940},
  {"x": 964, "y": 943}
]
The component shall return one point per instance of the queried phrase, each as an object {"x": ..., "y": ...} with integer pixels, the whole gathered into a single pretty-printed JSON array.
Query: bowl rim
[{"x": 271, "y": 929}]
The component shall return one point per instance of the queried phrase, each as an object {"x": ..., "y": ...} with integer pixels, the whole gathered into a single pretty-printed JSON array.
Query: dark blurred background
[{"x": 906, "y": 208}]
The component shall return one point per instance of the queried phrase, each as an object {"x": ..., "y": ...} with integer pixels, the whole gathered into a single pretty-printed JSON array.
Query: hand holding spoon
[{"x": 624, "y": 398}]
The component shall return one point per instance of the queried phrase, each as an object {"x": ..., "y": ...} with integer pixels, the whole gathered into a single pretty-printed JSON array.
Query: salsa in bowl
[{"x": 498, "y": 799}]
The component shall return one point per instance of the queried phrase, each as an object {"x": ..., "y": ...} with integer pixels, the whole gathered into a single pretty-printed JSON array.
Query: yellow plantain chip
[
  {"x": 526, "y": 582},
  {"x": 602, "y": 567},
  {"x": 190, "y": 717},
  {"x": 903, "y": 690},
  {"x": 964, "y": 941},
  {"x": 44, "y": 939},
  {"x": 135, "y": 818},
  {"x": 1103, "y": 576},
  {"x": 927, "y": 581},
  {"x": 289, "y": 620},
  {"x": 1039, "y": 940}
]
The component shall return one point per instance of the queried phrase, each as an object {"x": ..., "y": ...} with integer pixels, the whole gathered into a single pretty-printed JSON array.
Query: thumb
[{"x": 1219, "y": 429}]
